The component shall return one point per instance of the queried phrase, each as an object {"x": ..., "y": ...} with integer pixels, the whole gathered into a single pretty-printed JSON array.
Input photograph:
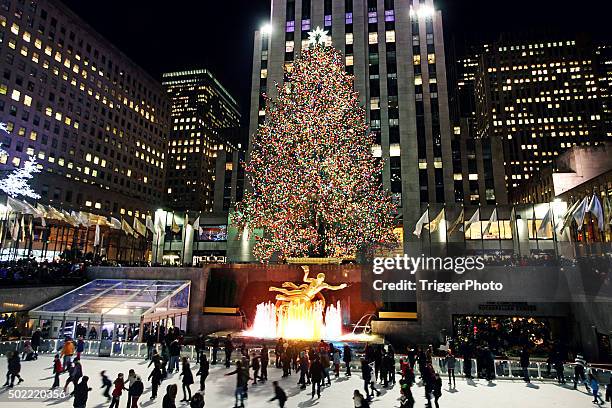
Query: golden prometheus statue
[{"x": 304, "y": 293}]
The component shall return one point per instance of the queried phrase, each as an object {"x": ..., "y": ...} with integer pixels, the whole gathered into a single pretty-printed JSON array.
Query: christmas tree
[
  {"x": 17, "y": 183},
  {"x": 316, "y": 187}
]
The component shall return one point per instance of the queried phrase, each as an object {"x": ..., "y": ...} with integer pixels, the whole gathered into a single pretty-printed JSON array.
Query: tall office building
[
  {"x": 94, "y": 120},
  {"x": 537, "y": 99},
  {"x": 202, "y": 157},
  {"x": 406, "y": 103}
]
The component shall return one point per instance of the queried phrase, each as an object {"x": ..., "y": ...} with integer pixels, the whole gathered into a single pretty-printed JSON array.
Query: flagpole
[
  {"x": 499, "y": 229},
  {"x": 534, "y": 227},
  {"x": 481, "y": 233},
  {"x": 552, "y": 213},
  {"x": 518, "y": 236},
  {"x": 445, "y": 228},
  {"x": 429, "y": 229}
]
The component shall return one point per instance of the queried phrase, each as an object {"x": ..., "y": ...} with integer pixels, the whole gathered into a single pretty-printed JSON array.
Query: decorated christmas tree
[{"x": 316, "y": 187}]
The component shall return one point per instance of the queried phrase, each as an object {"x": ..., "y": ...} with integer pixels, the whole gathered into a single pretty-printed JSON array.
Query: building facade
[
  {"x": 535, "y": 99},
  {"x": 203, "y": 156},
  {"x": 94, "y": 120},
  {"x": 406, "y": 104}
]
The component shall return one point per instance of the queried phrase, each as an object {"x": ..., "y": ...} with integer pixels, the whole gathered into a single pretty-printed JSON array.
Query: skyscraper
[
  {"x": 94, "y": 120},
  {"x": 395, "y": 49},
  {"x": 537, "y": 98},
  {"x": 199, "y": 151}
]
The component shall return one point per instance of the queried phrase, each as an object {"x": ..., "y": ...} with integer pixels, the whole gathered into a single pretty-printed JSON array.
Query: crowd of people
[
  {"x": 28, "y": 271},
  {"x": 314, "y": 366}
]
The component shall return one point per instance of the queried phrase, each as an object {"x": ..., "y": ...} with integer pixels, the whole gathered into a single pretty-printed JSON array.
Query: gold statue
[{"x": 307, "y": 291}]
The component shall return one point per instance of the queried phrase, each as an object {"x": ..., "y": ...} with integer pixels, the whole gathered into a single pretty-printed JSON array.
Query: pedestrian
[
  {"x": 203, "y": 371},
  {"x": 67, "y": 353},
  {"x": 524, "y": 359},
  {"x": 28, "y": 352},
  {"x": 165, "y": 358},
  {"x": 347, "y": 357},
  {"x": 106, "y": 384},
  {"x": 187, "y": 379},
  {"x": 325, "y": 364},
  {"x": 437, "y": 389},
  {"x": 595, "y": 389},
  {"x": 279, "y": 395},
  {"x": 378, "y": 359},
  {"x": 131, "y": 378},
  {"x": 197, "y": 401},
  {"x": 57, "y": 370},
  {"x": 559, "y": 369},
  {"x": 35, "y": 341},
  {"x": 228, "y": 348},
  {"x": 170, "y": 397},
  {"x": 359, "y": 400},
  {"x": 278, "y": 352},
  {"x": 451, "y": 362},
  {"x": 429, "y": 379},
  {"x": 609, "y": 391},
  {"x": 81, "y": 392},
  {"x": 117, "y": 391},
  {"x": 200, "y": 345},
  {"x": 265, "y": 360},
  {"x": 579, "y": 372},
  {"x": 316, "y": 376},
  {"x": 156, "y": 379},
  {"x": 135, "y": 391}
]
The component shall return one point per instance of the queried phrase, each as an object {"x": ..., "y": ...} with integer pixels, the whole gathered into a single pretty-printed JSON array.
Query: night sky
[{"x": 218, "y": 35}]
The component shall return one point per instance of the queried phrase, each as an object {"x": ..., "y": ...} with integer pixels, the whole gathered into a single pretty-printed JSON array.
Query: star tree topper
[{"x": 318, "y": 36}]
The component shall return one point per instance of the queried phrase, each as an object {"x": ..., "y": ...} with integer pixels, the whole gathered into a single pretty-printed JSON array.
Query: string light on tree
[
  {"x": 316, "y": 187},
  {"x": 17, "y": 183}
]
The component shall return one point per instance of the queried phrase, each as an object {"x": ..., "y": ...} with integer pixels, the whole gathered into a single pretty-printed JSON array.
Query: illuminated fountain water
[{"x": 297, "y": 320}]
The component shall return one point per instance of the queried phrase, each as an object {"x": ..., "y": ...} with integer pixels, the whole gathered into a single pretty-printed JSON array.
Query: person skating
[
  {"x": 57, "y": 370},
  {"x": 80, "y": 347},
  {"x": 14, "y": 369},
  {"x": 359, "y": 400},
  {"x": 524, "y": 359},
  {"x": 579, "y": 372},
  {"x": 203, "y": 371},
  {"x": 595, "y": 389},
  {"x": 256, "y": 366},
  {"x": 74, "y": 374},
  {"x": 437, "y": 389},
  {"x": 215, "y": 349},
  {"x": 368, "y": 384},
  {"x": 67, "y": 353},
  {"x": 187, "y": 379},
  {"x": 119, "y": 384},
  {"x": 174, "y": 351},
  {"x": 279, "y": 395},
  {"x": 347, "y": 358},
  {"x": 451, "y": 362},
  {"x": 150, "y": 345},
  {"x": 200, "y": 345},
  {"x": 325, "y": 365},
  {"x": 135, "y": 391},
  {"x": 303, "y": 369},
  {"x": 229, "y": 348},
  {"x": 81, "y": 392},
  {"x": 35, "y": 341},
  {"x": 378, "y": 359},
  {"x": 265, "y": 360},
  {"x": 429, "y": 379},
  {"x": 169, "y": 399},
  {"x": 156, "y": 378},
  {"x": 316, "y": 376},
  {"x": 242, "y": 380},
  {"x": 336, "y": 359},
  {"x": 106, "y": 384},
  {"x": 128, "y": 384},
  {"x": 278, "y": 352},
  {"x": 197, "y": 401}
]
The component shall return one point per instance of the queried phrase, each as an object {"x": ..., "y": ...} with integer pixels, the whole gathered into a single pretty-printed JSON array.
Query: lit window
[
  {"x": 16, "y": 161},
  {"x": 416, "y": 60},
  {"x": 390, "y": 36},
  {"x": 15, "y": 95},
  {"x": 15, "y": 28},
  {"x": 87, "y": 203},
  {"x": 373, "y": 38},
  {"x": 349, "y": 60},
  {"x": 349, "y": 38}
]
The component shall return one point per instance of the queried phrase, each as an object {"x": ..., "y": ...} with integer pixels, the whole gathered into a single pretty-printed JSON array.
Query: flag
[
  {"x": 69, "y": 218},
  {"x": 149, "y": 224},
  {"x": 42, "y": 214},
  {"x": 580, "y": 212},
  {"x": 97, "y": 236},
  {"x": 546, "y": 222},
  {"x": 115, "y": 223},
  {"x": 596, "y": 210},
  {"x": 435, "y": 223},
  {"x": 475, "y": 217},
  {"x": 15, "y": 229},
  {"x": 492, "y": 219},
  {"x": 607, "y": 211},
  {"x": 175, "y": 227},
  {"x": 196, "y": 224},
  {"x": 567, "y": 217},
  {"x": 127, "y": 228},
  {"x": 457, "y": 222},
  {"x": 419, "y": 225},
  {"x": 140, "y": 227},
  {"x": 23, "y": 229}
]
